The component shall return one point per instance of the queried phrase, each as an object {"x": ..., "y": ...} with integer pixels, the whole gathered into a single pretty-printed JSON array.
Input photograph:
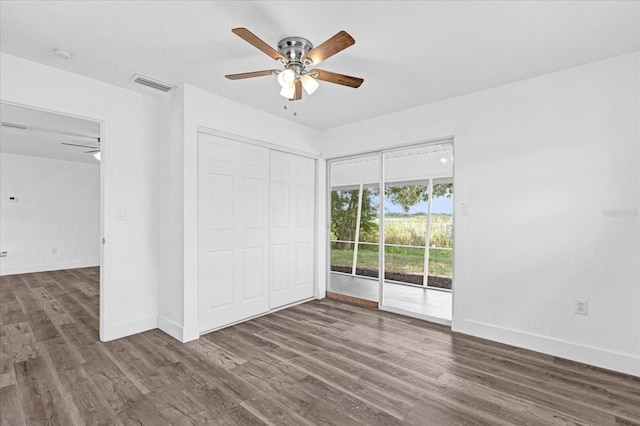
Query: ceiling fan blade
[
  {"x": 251, "y": 74},
  {"x": 252, "y": 39},
  {"x": 335, "y": 44},
  {"x": 333, "y": 77},
  {"x": 92, "y": 151},
  {"x": 75, "y": 144}
]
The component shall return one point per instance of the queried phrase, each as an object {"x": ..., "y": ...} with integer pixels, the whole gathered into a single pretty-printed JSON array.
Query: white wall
[
  {"x": 130, "y": 132},
  {"x": 190, "y": 110},
  {"x": 58, "y": 206},
  {"x": 548, "y": 168}
]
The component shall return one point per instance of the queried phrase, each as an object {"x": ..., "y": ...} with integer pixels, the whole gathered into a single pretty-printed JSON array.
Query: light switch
[
  {"x": 465, "y": 210},
  {"x": 122, "y": 214}
]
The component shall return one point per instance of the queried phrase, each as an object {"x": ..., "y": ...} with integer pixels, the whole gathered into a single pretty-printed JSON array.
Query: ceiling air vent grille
[
  {"x": 150, "y": 82},
  {"x": 14, "y": 126}
]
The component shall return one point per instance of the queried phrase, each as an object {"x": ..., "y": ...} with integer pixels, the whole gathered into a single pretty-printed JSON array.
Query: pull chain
[{"x": 295, "y": 106}]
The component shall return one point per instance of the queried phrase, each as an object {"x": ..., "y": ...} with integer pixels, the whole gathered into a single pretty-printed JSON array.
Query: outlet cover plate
[{"x": 581, "y": 307}]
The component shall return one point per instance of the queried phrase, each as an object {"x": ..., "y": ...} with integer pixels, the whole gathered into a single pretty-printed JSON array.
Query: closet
[{"x": 256, "y": 220}]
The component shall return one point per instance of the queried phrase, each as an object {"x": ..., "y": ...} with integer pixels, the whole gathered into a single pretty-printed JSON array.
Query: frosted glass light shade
[
  {"x": 286, "y": 78},
  {"x": 288, "y": 92},
  {"x": 309, "y": 83},
  {"x": 97, "y": 155}
]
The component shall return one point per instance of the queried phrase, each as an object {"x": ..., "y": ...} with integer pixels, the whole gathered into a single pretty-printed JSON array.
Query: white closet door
[
  {"x": 292, "y": 228},
  {"x": 233, "y": 213}
]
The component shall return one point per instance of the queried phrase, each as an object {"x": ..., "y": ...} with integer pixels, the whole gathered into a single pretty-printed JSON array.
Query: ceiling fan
[
  {"x": 95, "y": 150},
  {"x": 297, "y": 54}
]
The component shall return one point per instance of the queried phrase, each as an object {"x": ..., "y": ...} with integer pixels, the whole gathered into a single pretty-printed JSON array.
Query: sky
[{"x": 439, "y": 205}]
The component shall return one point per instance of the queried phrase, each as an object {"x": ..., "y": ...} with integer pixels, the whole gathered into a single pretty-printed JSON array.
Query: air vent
[
  {"x": 14, "y": 126},
  {"x": 150, "y": 82}
]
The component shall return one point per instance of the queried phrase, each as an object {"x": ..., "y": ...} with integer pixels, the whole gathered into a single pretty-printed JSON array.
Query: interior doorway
[
  {"x": 50, "y": 192},
  {"x": 393, "y": 249}
]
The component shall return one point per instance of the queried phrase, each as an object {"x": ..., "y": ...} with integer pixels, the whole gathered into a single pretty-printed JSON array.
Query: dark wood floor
[{"x": 324, "y": 362}]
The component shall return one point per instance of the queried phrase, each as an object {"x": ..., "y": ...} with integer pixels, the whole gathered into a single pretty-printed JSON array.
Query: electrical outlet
[
  {"x": 581, "y": 307},
  {"x": 54, "y": 251}
]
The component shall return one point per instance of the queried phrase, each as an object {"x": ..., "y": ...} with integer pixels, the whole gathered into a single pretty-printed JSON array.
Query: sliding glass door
[{"x": 395, "y": 246}]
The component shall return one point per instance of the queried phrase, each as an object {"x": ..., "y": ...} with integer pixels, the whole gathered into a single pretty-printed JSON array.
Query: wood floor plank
[
  {"x": 17, "y": 344},
  {"x": 272, "y": 412},
  {"x": 322, "y": 362},
  {"x": 41, "y": 400},
  {"x": 51, "y": 306},
  {"x": 10, "y": 409}
]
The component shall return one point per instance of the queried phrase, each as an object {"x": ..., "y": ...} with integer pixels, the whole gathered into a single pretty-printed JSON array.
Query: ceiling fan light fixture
[
  {"x": 309, "y": 83},
  {"x": 296, "y": 54},
  {"x": 288, "y": 92},
  {"x": 286, "y": 78},
  {"x": 97, "y": 155}
]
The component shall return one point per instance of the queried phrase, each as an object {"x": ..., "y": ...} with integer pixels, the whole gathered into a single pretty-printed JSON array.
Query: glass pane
[
  {"x": 414, "y": 223},
  {"x": 367, "y": 259},
  {"x": 344, "y": 213},
  {"x": 442, "y": 216},
  {"x": 367, "y": 265},
  {"x": 405, "y": 232},
  {"x": 341, "y": 257},
  {"x": 350, "y": 236},
  {"x": 404, "y": 264},
  {"x": 344, "y": 209},
  {"x": 440, "y": 268},
  {"x": 369, "y": 223},
  {"x": 441, "y": 239}
]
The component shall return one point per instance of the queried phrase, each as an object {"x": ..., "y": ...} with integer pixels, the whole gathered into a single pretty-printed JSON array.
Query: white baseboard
[
  {"x": 175, "y": 330},
  {"x": 190, "y": 333},
  {"x": 127, "y": 328},
  {"x": 170, "y": 327},
  {"x": 29, "y": 269},
  {"x": 615, "y": 361}
]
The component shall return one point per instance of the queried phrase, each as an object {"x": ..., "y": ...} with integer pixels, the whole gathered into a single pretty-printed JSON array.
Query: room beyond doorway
[
  {"x": 394, "y": 247},
  {"x": 50, "y": 191}
]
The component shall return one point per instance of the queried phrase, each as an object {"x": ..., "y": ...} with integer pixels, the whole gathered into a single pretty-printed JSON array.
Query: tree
[
  {"x": 407, "y": 196},
  {"x": 344, "y": 209},
  {"x": 344, "y": 214}
]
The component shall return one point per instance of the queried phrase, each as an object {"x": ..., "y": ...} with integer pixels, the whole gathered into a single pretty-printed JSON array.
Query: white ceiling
[
  {"x": 409, "y": 53},
  {"x": 45, "y": 134}
]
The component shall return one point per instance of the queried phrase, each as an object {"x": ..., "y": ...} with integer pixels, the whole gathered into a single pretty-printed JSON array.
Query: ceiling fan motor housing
[{"x": 294, "y": 48}]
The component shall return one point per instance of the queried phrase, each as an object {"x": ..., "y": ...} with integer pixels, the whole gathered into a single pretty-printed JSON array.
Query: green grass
[
  {"x": 403, "y": 230},
  {"x": 397, "y": 259},
  {"x": 412, "y": 231}
]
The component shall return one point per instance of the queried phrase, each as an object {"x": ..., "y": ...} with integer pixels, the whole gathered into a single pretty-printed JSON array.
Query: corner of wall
[{"x": 130, "y": 327}]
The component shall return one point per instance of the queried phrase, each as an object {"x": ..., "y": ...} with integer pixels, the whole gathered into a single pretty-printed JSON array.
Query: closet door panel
[
  {"x": 233, "y": 262},
  {"x": 292, "y": 228}
]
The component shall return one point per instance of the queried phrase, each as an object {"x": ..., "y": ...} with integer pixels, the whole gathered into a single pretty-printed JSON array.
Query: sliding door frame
[{"x": 381, "y": 251}]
